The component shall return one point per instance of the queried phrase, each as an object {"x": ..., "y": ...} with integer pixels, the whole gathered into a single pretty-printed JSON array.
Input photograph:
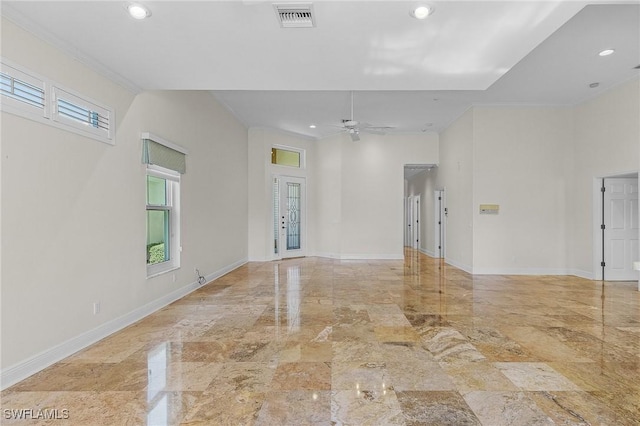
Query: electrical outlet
[{"x": 96, "y": 308}]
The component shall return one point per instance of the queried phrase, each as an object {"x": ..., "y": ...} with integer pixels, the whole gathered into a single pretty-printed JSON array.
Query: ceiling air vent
[{"x": 295, "y": 15}]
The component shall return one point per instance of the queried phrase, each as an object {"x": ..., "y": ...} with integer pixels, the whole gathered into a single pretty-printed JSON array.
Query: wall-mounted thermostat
[{"x": 489, "y": 208}]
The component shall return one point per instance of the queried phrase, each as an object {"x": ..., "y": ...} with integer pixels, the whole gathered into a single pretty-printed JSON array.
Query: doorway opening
[
  {"x": 419, "y": 184},
  {"x": 616, "y": 227}
]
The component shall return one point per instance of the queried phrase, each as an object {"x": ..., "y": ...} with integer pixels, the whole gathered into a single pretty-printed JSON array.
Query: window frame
[
  {"x": 300, "y": 151},
  {"x": 48, "y": 113},
  {"x": 104, "y": 135},
  {"x": 172, "y": 206},
  {"x": 25, "y": 109}
]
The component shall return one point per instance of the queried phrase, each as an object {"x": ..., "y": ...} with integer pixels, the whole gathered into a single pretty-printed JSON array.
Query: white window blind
[
  {"x": 21, "y": 91},
  {"x": 37, "y": 98},
  {"x": 82, "y": 114}
]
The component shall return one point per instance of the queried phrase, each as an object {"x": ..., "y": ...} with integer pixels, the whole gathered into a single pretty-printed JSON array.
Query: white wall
[
  {"x": 328, "y": 163},
  {"x": 539, "y": 164},
  {"x": 73, "y": 217},
  {"x": 455, "y": 176},
  {"x": 606, "y": 143},
  {"x": 520, "y": 159},
  {"x": 373, "y": 191},
  {"x": 260, "y": 196},
  {"x": 354, "y": 191}
]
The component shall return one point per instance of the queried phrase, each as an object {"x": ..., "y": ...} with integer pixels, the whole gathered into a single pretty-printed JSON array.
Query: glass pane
[
  {"x": 293, "y": 216},
  {"x": 82, "y": 114},
  {"x": 21, "y": 91},
  {"x": 157, "y": 236},
  {"x": 156, "y": 191},
  {"x": 283, "y": 157}
]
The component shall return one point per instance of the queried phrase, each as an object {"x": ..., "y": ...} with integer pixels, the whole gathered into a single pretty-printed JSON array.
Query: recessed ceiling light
[
  {"x": 606, "y": 52},
  {"x": 594, "y": 85},
  {"x": 137, "y": 11},
  {"x": 421, "y": 12},
  {"x": 313, "y": 126}
]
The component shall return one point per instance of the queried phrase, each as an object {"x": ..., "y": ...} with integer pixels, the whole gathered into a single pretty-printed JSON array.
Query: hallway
[{"x": 323, "y": 341}]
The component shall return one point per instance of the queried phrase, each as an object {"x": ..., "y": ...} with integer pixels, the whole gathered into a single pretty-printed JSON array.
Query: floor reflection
[
  {"x": 158, "y": 369},
  {"x": 325, "y": 341}
]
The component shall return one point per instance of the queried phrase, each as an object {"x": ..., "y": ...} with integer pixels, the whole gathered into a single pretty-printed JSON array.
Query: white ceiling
[{"x": 412, "y": 75}]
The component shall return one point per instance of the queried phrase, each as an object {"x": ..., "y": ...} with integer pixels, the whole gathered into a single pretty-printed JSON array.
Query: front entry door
[
  {"x": 621, "y": 229},
  {"x": 289, "y": 217}
]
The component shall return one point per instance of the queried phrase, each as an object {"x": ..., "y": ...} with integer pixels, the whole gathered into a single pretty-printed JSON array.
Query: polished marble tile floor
[{"x": 322, "y": 341}]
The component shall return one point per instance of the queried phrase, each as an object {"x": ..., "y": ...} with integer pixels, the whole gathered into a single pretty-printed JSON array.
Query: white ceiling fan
[{"x": 354, "y": 127}]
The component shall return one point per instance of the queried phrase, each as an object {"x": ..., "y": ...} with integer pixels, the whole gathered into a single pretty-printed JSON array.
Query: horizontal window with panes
[
  {"x": 82, "y": 114},
  {"x": 30, "y": 96},
  {"x": 22, "y": 93}
]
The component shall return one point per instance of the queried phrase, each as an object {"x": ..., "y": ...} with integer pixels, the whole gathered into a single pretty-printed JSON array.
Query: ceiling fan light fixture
[
  {"x": 138, "y": 11},
  {"x": 422, "y": 12}
]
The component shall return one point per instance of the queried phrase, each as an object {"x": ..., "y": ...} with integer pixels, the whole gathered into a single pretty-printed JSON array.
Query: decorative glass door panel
[
  {"x": 293, "y": 216},
  {"x": 289, "y": 216}
]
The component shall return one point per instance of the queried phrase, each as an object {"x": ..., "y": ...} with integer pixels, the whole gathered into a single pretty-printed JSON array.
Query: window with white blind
[
  {"x": 163, "y": 222},
  {"x": 26, "y": 94},
  {"x": 22, "y": 93},
  {"x": 166, "y": 162},
  {"x": 83, "y": 115}
]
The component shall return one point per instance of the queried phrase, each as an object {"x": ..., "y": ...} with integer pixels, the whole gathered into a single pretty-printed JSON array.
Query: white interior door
[
  {"x": 415, "y": 222},
  {"x": 407, "y": 221},
  {"x": 438, "y": 198},
  {"x": 621, "y": 229},
  {"x": 289, "y": 200}
]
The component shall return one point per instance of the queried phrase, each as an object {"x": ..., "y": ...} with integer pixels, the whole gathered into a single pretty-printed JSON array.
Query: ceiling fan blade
[{"x": 373, "y": 131}]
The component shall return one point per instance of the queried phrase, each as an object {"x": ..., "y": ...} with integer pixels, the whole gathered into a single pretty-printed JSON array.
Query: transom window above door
[{"x": 285, "y": 156}]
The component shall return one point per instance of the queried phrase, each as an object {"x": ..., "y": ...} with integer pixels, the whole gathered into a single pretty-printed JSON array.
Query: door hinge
[
  {"x": 603, "y": 226},
  {"x": 603, "y": 189},
  {"x": 602, "y": 264},
  {"x": 439, "y": 198},
  {"x": 439, "y": 247}
]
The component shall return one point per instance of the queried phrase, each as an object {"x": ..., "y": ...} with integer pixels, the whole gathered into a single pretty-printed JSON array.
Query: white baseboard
[
  {"x": 34, "y": 364},
  {"x": 459, "y": 265},
  {"x": 428, "y": 252},
  {"x": 531, "y": 271},
  {"x": 582, "y": 274}
]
